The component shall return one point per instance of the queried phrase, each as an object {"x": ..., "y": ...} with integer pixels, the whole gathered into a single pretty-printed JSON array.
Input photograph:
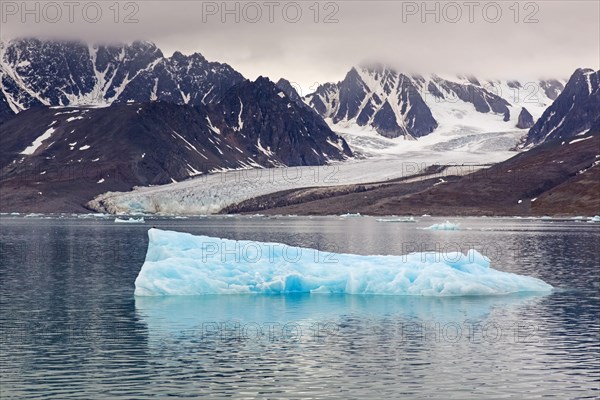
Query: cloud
[{"x": 308, "y": 44}]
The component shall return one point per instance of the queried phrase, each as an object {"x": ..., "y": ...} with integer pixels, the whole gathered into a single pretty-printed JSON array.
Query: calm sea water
[{"x": 70, "y": 326}]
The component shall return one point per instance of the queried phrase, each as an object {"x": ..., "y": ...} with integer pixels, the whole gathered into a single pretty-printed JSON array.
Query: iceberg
[
  {"x": 183, "y": 264},
  {"x": 409, "y": 219},
  {"x": 350, "y": 215},
  {"x": 130, "y": 221},
  {"x": 444, "y": 226}
]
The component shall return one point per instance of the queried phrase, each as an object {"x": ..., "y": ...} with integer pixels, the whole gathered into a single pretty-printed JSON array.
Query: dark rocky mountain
[
  {"x": 36, "y": 72},
  {"x": 525, "y": 120},
  {"x": 182, "y": 79},
  {"x": 573, "y": 112},
  {"x": 5, "y": 111},
  {"x": 395, "y": 104},
  {"x": 263, "y": 117},
  {"x": 289, "y": 90},
  {"x": 59, "y": 158}
]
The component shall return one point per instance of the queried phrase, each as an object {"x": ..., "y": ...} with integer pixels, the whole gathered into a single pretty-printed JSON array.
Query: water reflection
[{"x": 217, "y": 321}]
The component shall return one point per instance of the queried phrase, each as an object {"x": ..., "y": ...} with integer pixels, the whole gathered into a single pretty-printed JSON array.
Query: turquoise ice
[{"x": 183, "y": 264}]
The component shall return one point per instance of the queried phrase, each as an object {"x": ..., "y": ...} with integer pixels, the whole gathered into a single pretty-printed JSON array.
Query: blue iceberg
[
  {"x": 183, "y": 264},
  {"x": 444, "y": 226}
]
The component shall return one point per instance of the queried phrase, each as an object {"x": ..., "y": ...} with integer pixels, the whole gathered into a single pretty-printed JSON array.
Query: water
[{"x": 71, "y": 327}]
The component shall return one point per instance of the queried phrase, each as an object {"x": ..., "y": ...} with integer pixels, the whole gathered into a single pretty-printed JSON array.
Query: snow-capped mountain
[
  {"x": 395, "y": 104},
  {"x": 36, "y": 72},
  {"x": 68, "y": 155},
  {"x": 378, "y": 97},
  {"x": 573, "y": 112}
]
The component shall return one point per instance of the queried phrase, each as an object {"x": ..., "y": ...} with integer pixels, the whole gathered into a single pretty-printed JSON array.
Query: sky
[{"x": 310, "y": 42}]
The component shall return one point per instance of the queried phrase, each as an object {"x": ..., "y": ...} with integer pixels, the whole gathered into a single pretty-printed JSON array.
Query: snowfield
[{"x": 386, "y": 159}]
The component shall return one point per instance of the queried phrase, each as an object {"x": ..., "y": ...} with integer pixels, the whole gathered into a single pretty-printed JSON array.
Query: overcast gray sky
[{"x": 309, "y": 42}]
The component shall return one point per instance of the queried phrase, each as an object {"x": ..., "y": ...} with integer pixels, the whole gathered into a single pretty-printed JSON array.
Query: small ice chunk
[
  {"x": 444, "y": 226},
  {"x": 408, "y": 219},
  {"x": 130, "y": 221}
]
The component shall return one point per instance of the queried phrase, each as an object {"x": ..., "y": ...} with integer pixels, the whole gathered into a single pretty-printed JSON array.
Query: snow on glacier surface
[{"x": 183, "y": 264}]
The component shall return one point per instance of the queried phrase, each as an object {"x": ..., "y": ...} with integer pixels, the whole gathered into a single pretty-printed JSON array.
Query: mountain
[
  {"x": 36, "y": 72},
  {"x": 58, "y": 158},
  {"x": 393, "y": 104},
  {"x": 525, "y": 120},
  {"x": 5, "y": 111},
  {"x": 381, "y": 98},
  {"x": 60, "y": 73},
  {"x": 263, "y": 117},
  {"x": 289, "y": 90},
  {"x": 573, "y": 112}
]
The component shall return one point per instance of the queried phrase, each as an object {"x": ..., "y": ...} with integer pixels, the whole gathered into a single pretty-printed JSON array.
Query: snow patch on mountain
[{"x": 38, "y": 142}]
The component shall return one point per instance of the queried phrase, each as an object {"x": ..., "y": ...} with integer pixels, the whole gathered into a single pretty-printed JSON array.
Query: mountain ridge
[
  {"x": 39, "y": 72},
  {"x": 124, "y": 145},
  {"x": 395, "y": 104},
  {"x": 573, "y": 112},
  {"x": 61, "y": 73}
]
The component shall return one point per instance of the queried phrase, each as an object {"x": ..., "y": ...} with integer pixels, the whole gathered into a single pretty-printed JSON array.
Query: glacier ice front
[{"x": 183, "y": 264}]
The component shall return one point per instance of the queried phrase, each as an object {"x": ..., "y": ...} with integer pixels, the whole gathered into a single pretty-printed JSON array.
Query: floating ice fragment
[
  {"x": 445, "y": 226},
  {"x": 408, "y": 219},
  {"x": 130, "y": 220},
  {"x": 183, "y": 264}
]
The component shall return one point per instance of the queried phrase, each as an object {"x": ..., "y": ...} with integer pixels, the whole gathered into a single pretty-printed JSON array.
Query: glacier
[
  {"x": 213, "y": 192},
  {"x": 184, "y": 264}
]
